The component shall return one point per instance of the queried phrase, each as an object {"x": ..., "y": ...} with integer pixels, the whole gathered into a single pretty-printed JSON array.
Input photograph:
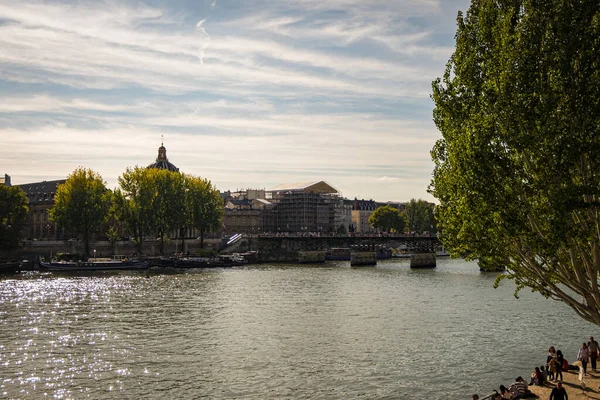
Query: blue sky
[{"x": 248, "y": 94}]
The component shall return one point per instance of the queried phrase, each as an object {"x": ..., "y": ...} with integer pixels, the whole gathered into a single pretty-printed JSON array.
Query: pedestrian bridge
[{"x": 274, "y": 248}]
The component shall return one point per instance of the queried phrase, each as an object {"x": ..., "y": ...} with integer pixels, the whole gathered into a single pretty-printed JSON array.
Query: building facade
[
  {"x": 302, "y": 207},
  {"x": 41, "y": 199},
  {"x": 361, "y": 211}
]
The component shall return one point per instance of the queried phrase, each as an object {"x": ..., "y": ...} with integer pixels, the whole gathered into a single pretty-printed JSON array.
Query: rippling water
[{"x": 275, "y": 332}]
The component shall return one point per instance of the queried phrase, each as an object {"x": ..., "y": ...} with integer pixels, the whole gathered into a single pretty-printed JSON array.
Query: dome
[{"x": 162, "y": 162}]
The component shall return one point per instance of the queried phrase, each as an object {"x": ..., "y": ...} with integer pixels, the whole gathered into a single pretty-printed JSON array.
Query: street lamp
[{"x": 94, "y": 254}]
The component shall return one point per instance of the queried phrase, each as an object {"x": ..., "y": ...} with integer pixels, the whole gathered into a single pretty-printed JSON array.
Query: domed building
[{"x": 162, "y": 162}]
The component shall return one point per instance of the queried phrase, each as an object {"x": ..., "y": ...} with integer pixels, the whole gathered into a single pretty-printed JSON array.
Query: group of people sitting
[{"x": 551, "y": 372}]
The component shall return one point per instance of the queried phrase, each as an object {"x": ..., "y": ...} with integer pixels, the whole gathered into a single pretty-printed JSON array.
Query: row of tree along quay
[
  {"x": 418, "y": 216},
  {"x": 148, "y": 202},
  {"x": 517, "y": 171}
]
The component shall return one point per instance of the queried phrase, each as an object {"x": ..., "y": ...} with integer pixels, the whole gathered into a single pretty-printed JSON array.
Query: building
[
  {"x": 162, "y": 162},
  {"x": 41, "y": 199},
  {"x": 302, "y": 207},
  {"x": 361, "y": 211},
  {"x": 5, "y": 180},
  {"x": 244, "y": 211}
]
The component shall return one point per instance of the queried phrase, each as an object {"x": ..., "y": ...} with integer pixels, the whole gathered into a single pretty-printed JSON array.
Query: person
[
  {"x": 537, "y": 377},
  {"x": 504, "y": 393},
  {"x": 517, "y": 389},
  {"x": 551, "y": 363},
  {"x": 583, "y": 355},
  {"x": 475, "y": 397},
  {"x": 560, "y": 360},
  {"x": 559, "y": 392},
  {"x": 593, "y": 349},
  {"x": 551, "y": 368}
]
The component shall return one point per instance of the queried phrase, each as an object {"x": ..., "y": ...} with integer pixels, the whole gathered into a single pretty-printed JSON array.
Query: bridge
[{"x": 272, "y": 248}]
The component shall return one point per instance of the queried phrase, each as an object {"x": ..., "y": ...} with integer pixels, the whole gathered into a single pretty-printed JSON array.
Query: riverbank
[{"x": 572, "y": 385}]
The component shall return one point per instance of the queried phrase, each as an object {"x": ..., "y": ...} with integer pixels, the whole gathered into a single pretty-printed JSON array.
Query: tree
[
  {"x": 168, "y": 202},
  {"x": 203, "y": 204},
  {"x": 419, "y": 216},
  {"x": 13, "y": 214},
  {"x": 517, "y": 170},
  {"x": 133, "y": 202},
  {"x": 387, "y": 218},
  {"x": 81, "y": 204}
]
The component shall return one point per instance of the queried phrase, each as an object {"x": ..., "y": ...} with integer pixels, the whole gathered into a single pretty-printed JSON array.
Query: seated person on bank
[
  {"x": 537, "y": 377},
  {"x": 520, "y": 390}
]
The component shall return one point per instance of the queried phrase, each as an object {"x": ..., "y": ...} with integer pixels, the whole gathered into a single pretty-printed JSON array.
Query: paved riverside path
[{"x": 571, "y": 383}]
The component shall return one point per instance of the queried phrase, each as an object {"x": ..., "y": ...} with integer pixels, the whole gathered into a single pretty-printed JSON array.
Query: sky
[{"x": 246, "y": 93}]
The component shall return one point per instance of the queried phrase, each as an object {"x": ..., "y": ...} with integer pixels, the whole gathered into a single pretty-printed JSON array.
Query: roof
[
  {"x": 162, "y": 162},
  {"x": 41, "y": 191},
  {"x": 312, "y": 187}
]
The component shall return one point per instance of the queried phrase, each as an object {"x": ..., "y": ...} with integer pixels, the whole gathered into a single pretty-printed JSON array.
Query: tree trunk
[
  {"x": 86, "y": 243},
  {"x": 182, "y": 234},
  {"x": 162, "y": 241}
]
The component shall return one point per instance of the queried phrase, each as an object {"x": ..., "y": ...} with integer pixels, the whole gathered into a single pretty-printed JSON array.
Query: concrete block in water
[
  {"x": 363, "y": 258},
  {"x": 311, "y": 257},
  {"x": 423, "y": 260}
]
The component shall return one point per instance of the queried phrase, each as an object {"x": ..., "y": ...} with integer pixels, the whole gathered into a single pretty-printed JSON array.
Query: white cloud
[{"x": 305, "y": 87}]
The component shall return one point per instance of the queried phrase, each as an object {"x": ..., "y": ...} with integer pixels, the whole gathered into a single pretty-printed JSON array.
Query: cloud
[{"x": 278, "y": 90}]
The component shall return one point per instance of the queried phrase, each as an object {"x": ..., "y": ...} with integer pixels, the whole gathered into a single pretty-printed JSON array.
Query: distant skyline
[{"x": 249, "y": 94}]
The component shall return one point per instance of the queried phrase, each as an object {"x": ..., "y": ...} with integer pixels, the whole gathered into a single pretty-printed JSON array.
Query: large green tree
[
  {"x": 419, "y": 216},
  {"x": 81, "y": 204},
  {"x": 517, "y": 171},
  {"x": 204, "y": 206},
  {"x": 168, "y": 202},
  {"x": 134, "y": 203},
  {"x": 387, "y": 218},
  {"x": 13, "y": 214}
]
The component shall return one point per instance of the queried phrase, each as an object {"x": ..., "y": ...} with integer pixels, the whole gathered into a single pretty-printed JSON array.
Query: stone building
[
  {"x": 361, "y": 211},
  {"x": 41, "y": 199},
  {"x": 162, "y": 162}
]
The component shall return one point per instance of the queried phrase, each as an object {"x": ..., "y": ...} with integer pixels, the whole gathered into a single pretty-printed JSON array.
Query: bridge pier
[
  {"x": 311, "y": 257},
  {"x": 423, "y": 260},
  {"x": 363, "y": 258}
]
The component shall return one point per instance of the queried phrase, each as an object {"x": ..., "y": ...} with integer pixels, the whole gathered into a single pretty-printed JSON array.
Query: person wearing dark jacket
[{"x": 559, "y": 392}]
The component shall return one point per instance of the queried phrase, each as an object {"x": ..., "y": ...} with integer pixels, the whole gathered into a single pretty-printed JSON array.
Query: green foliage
[
  {"x": 387, "y": 218},
  {"x": 81, "y": 204},
  {"x": 203, "y": 205},
  {"x": 516, "y": 172},
  {"x": 341, "y": 230},
  {"x": 168, "y": 202},
  {"x": 157, "y": 202},
  {"x": 419, "y": 216},
  {"x": 133, "y": 203},
  {"x": 13, "y": 214}
]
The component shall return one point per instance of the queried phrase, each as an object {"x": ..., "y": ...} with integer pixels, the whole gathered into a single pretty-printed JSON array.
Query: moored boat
[
  {"x": 10, "y": 267},
  {"x": 95, "y": 265}
]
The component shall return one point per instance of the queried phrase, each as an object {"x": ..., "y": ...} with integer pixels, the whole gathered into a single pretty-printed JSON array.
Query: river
[{"x": 275, "y": 332}]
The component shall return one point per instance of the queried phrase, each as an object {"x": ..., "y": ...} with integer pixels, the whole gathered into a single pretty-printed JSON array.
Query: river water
[{"x": 275, "y": 332}]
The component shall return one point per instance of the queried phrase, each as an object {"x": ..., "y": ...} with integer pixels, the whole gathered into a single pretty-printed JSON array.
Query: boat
[
  {"x": 10, "y": 267},
  {"x": 93, "y": 265}
]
